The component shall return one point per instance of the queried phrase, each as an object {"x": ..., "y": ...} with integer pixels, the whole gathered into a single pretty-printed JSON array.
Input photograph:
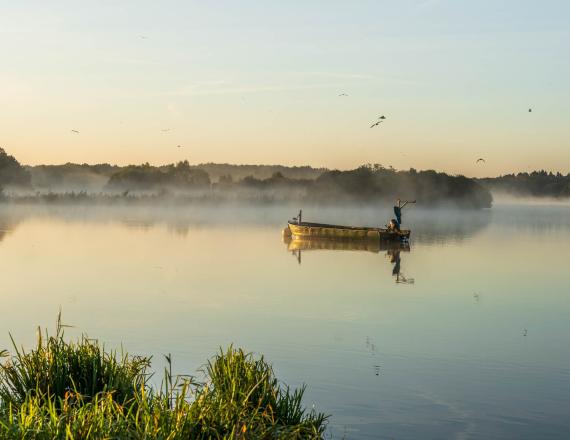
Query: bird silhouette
[
  {"x": 382, "y": 117},
  {"x": 525, "y": 332},
  {"x": 375, "y": 124},
  {"x": 179, "y": 146},
  {"x": 480, "y": 160},
  {"x": 530, "y": 110},
  {"x": 343, "y": 94},
  {"x": 74, "y": 131}
]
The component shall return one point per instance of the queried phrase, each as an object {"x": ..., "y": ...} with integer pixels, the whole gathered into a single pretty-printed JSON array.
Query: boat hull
[{"x": 320, "y": 230}]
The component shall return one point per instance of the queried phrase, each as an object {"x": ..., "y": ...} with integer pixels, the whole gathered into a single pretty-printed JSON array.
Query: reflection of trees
[
  {"x": 176, "y": 227},
  {"x": 7, "y": 225},
  {"x": 179, "y": 228},
  {"x": 176, "y": 220}
]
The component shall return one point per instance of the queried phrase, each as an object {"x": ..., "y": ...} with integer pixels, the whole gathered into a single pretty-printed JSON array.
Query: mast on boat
[{"x": 298, "y": 219}]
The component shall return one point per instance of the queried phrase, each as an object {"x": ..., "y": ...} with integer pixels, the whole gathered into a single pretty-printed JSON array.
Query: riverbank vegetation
[
  {"x": 185, "y": 183},
  {"x": 377, "y": 183},
  {"x": 534, "y": 184},
  {"x": 79, "y": 390}
]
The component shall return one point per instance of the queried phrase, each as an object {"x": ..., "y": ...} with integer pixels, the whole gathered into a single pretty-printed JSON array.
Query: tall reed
[{"x": 78, "y": 390}]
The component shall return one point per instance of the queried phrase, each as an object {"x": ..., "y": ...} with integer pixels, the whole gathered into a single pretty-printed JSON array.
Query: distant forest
[
  {"x": 535, "y": 184},
  {"x": 263, "y": 183}
]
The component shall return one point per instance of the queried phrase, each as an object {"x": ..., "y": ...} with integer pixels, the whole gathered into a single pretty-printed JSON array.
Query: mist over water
[
  {"x": 474, "y": 347},
  {"x": 505, "y": 198}
]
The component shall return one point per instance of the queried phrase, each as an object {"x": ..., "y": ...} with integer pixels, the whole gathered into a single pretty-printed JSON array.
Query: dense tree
[
  {"x": 374, "y": 182},
  {"x": 276, "y": 181},
  {"x": 368, "y": 184},
  {"x": 535, "y": 184},
  {"x": 71, "y": 176},
  {"x": 11, "y": 172},
  {"x": 146, "y": 177},
  {"x": 261, "y": 172}
]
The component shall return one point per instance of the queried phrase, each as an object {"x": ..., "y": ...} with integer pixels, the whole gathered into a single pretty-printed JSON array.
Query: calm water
[{"x": 470, "y": 340}]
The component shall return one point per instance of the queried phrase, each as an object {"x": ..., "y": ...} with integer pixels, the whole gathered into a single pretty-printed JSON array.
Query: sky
[{"x": 259, "y": 82}]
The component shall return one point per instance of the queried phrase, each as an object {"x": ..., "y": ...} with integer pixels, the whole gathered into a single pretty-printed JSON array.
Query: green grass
[{"x": 78, "y": 390}]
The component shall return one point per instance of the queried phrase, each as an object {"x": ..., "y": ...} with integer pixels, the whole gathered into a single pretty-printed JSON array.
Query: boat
[
  {"x": 302, "y": 229},
  {"x": 297, "y": 228}
]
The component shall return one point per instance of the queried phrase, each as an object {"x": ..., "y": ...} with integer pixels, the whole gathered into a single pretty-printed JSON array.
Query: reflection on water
[
  {"x": 394, "y": 255},
  {"x": 438, "y": 226},
  {"x": 3, "y": 231},
  {"x": 392, "y": 250},
  {"x": 475, "y": 348},
  {"x": 448, "y": 226},
  {"x": 311, "y": 244},
  {"x": 7, "y": 225}
]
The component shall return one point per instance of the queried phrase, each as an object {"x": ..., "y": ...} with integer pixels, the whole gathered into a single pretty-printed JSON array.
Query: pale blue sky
[{"x": 258, "y": 82}]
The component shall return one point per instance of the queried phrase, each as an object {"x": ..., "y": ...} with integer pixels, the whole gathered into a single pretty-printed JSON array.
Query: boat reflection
[
  {"x": 392, "y": 250},
  {"x": 394, "y": 256}
]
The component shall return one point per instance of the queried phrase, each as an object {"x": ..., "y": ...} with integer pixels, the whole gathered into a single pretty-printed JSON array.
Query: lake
[{"x": 463, "y": 335}]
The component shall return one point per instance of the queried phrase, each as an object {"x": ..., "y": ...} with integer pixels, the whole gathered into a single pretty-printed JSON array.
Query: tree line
[
  {"x": 535, "y": 184},
  {"x": 365, "y": 184}
]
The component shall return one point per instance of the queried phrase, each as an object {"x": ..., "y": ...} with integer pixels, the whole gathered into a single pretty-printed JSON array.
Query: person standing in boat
[
  {"x": 395, "y": 223},
  {"x": 398, "y": 211}
]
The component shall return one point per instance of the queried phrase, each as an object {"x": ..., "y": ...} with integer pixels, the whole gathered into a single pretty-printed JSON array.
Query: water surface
[{"x": 467, "y": 338}]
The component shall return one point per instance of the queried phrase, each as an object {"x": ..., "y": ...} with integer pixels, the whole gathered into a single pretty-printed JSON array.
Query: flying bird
[
  {"x": 525, "y": 332},
  {"x": 382, "y": 117},
  {"x": 179, "y": 146},
  {"x": 74, "y": 131},
  {"x": 375, "y": 124},
  {"x": 164, "y": 130},
  {"x": 343, "y": 94},
  {"x": 480, "y": 160},
  {"x": 530, "y": 110}
]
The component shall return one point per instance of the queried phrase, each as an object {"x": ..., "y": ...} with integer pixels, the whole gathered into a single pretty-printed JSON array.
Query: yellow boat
[
  {"x": 323, "y": 230},
  {"x": 297, "y": 228}
]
